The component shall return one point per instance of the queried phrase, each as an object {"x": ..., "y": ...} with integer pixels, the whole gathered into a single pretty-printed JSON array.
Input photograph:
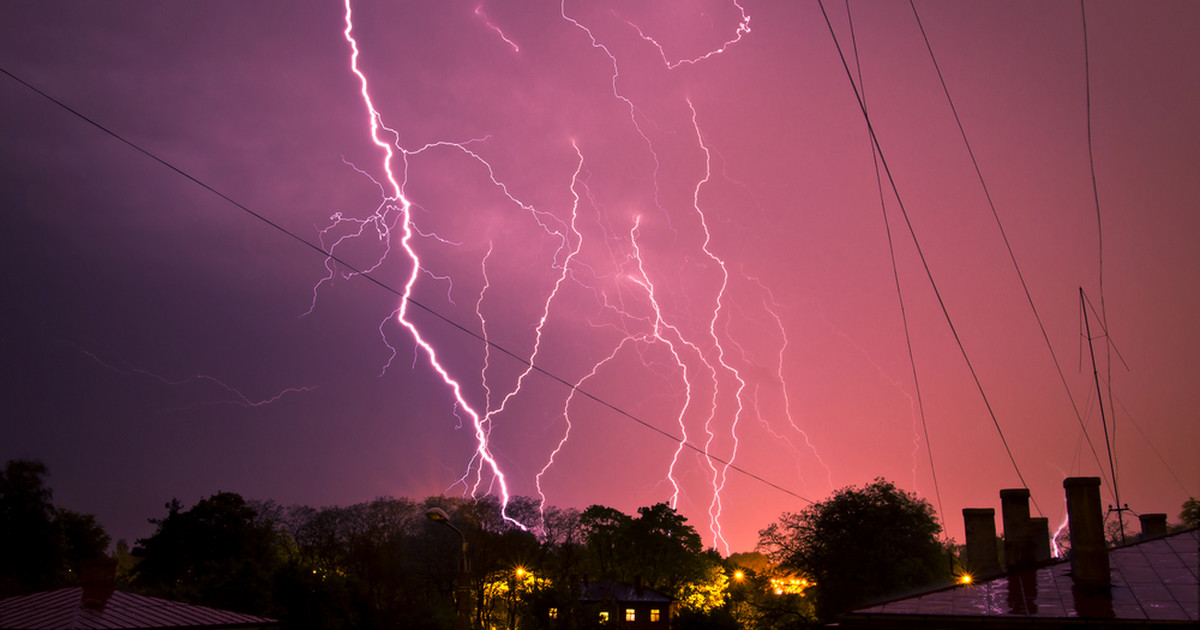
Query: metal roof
[
  {"x": 63, "y": 609},
  {"x": 1152, "y": 581}
]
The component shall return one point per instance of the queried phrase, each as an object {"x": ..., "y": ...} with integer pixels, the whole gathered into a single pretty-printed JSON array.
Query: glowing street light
[{"x": 463, "y": 589}]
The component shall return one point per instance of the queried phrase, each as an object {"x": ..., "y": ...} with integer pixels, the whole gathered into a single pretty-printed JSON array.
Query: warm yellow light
[
  {"x": 964, "y": 578},
  {"x": 738, "y": 575},
  {"x": 520, "y": 571}
]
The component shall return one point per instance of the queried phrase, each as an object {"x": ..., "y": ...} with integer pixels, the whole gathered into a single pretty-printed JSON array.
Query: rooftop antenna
[{"x": 1112, "y": 468}]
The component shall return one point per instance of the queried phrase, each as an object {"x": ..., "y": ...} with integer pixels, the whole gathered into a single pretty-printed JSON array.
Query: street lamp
[{"x": 463, "y": 590}]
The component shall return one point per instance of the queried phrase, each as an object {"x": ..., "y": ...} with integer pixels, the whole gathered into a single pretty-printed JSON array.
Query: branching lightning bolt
[
  {"x": 240, "y": 399},
  {"x": 698, "y": 354},
  {"x": 395, "y": 200}
]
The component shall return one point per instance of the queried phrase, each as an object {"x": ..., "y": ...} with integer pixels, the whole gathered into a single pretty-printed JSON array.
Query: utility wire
[
  {"x": 330, "y": 256},
  {"x": 920, "y": 252},
  {"x": 912, "y": 361},
  {"x": 1087, "y": 82},
  {"x": 1004, "y": 234}
]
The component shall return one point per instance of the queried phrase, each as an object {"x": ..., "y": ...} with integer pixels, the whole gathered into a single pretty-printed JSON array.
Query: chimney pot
[
  {"x": 98, "y": 577},
  {"x": 1018, "y": 536},
  {"x": 1040, "y": 530},
  {"x": 1089, "y": 554},
  {"x": 982, "y": 553},
  {"x": 1153, "y": 525}
]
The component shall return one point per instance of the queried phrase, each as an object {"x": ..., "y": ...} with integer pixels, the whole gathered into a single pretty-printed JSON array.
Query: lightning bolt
[
  {"x": 395, "y": 201},
  {"x": 645, "y": 305},
  {"x": 239, "y": 398},
  {"x": 743, "y": 29},
  {"x": 488, "y": 22}
]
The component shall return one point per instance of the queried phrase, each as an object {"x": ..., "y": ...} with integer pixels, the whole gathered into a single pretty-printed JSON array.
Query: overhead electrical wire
[
  {"x": 896, "y": 274},
  {"x": 920, "y": 252},
  {"x": 330, "y": 256},
  {"x": 1003, "y": 233},
  {"x": 1103, "y": 316}
]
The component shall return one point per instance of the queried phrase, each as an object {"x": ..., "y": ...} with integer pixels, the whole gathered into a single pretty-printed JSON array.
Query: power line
[
  {"x": 912, "y": 361},
  {"x": 920, "y": 252},
  {"x": 1003, "y": 233},
  {"x": 330, "y": 256},
  {"x": 1103, "y": 316}
]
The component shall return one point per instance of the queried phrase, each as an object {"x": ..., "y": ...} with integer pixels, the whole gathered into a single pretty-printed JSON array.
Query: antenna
[{"x": 1103, "y": 423}]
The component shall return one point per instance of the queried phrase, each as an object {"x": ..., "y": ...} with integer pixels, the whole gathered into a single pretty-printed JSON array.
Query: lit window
[
  {"x": 554, "y": 613},
  {"x": 655, "y": 615},
  {"x": 630, "y": 615},
  {"x": 604, "y": 616}
]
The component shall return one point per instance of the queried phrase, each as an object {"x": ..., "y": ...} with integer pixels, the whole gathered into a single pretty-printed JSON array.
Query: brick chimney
[
  {"x": 1039, "y": 528},
  {"x": 98, "y": 577},
  {"x": 1018, "y": 538},
  {"x": 1089, "y": 554},
  {"x": 1153, "y": 525},
  {"x": 983, "y": 556}
]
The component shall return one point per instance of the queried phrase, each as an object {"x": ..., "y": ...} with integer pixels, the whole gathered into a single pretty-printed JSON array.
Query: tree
[
  {"x": 860, "y": 544},
  {"x": 29, "y": 550},
  {"x": 664, "y": 549},
  {"x": 42, "y": 546},
  {"x": 219, "y": 553},
  {"x": 80, "y": 538},
  {"x": 1190, "y": 514}
]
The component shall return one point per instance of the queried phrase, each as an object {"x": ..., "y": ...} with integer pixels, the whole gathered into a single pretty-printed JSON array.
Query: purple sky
[{"x": 709, "y": 239}]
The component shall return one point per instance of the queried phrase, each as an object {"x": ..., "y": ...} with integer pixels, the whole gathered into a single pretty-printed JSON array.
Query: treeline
[{"x": 386, "y": 563}]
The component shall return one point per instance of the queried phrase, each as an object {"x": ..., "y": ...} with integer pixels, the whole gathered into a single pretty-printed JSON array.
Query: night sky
[{"x": 672, "y": 205}]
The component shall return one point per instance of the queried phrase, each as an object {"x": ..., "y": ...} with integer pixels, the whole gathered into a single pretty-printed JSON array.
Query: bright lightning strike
[
  {"x": 607, "y": 286},
  {"x": 395, "y": 200}
]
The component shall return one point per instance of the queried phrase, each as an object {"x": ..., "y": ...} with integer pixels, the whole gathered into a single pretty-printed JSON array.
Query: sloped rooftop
[
  {"x": 1153, "y": 581},
  {"x": 620, "y": 592},
  {"x": 63, "y": 609}
]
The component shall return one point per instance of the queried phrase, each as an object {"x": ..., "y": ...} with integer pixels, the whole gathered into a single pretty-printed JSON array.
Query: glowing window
[
  {"x": 655, "y": 614},
  {"x": 554, "y": 613},
  {"x": 630, "y": 615}
]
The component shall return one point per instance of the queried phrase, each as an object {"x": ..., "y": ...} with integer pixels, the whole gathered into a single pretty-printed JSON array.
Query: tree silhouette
[
  {"x": 218, "y": 553},
  {"x": 860, "y": 544},
  {"x": 42, "y": 545}
]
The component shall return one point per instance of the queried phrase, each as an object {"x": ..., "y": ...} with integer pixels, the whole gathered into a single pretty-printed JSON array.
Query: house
[
  {"x": 97, "y": 605},
  {"x": 625, "y": 605},
  {"x": 1151, "y": 583}
]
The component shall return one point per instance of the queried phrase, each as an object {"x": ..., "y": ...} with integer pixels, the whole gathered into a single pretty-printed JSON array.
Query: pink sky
[{"x": 602, "y": 165}]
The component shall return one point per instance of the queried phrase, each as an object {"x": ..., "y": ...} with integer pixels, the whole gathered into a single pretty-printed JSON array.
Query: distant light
[
  {"x": 965, "y": 578},
  {"x": 738, "y": 575}
]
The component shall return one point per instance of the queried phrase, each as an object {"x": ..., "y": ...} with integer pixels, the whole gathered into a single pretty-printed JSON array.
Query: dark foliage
[
  {"x": 42, "y": 546},
  {"x": 218, "y": 553},
  {"x": 860, "y": 545}
]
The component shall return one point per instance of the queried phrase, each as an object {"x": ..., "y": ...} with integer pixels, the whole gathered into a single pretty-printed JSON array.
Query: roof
[
  {"x": 63, "y": 609},
  {"x": 620, "y": 592},
  {"x": 1154, "y": 581}
]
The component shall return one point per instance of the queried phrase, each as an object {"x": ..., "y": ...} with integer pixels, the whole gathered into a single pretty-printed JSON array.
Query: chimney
[
  {"x": 1018, "y": 539},
  {"x": 1040, "y": 530},
  {"x": 1089, "y": 555},
  {"x": 98, "y": 577},
  {"x": 982, "y": 554},
  {"x": 1153, "y": 525},
  {"x": 637, "y": 584}
]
